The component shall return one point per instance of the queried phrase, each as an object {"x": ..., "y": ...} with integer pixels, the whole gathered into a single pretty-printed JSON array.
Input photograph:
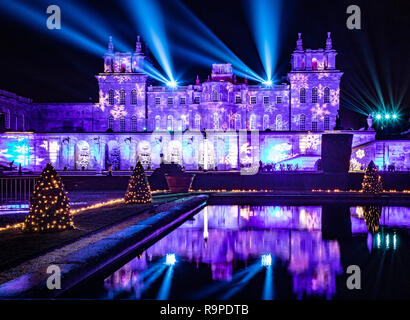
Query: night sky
[{"x": 36, "y": 63}]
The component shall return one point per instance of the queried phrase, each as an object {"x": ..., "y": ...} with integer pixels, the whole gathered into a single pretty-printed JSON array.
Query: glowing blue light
[
  {"x": 387, "y": 116},
  {"x": 266, "y": 260},
  {"x": 267, "y": 83},
  {"x": 170, "y": 259},
  {"x": 378, "y": 116},
  {"x": 148, "y": 18},
  {"x": 172, "y": 84},
  {"x": 394, "y": 116}
]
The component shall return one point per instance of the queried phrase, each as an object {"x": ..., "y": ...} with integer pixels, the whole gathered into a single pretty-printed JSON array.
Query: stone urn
[{"x": 179, "y": 183}]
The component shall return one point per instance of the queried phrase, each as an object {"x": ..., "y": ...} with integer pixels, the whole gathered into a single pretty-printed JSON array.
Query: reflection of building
[
  {"x": 132, "y": 109},
  {"x": 234, "y": 237}
]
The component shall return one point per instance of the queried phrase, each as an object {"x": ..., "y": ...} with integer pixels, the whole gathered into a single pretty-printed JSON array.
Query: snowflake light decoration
[
  {"x": 299, "y": 81},
  {"x": 320, "y": 91},
  {"x": 103, "y": 100},
  {"x": 309, "y": 142},
  {"x": 270, "y": 108},
  {"x": 334, "y": 97},
  {"x": 322, "y": 75},
  {"x": 247, "y": 107},
  {"x": 122, "y": 79},
  {"x": 360, "y": 153},
  {"x": 118, "y": 112},
  {"x": 355, "y": 165},
  {"x": 320, "y": 111}
]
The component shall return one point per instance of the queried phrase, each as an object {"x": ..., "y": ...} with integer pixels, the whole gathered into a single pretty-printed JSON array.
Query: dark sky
[{"x": 40, "y": 66}]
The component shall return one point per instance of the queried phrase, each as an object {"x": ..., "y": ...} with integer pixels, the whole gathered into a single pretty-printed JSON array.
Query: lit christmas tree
[
  {"x": 49, "y": 207},
  {"x": 372, "y": 181},
  {"x": 138, "y": 190}
]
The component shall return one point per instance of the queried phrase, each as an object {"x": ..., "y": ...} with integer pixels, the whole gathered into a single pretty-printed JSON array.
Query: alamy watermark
[{"x": 54, "y": 20}]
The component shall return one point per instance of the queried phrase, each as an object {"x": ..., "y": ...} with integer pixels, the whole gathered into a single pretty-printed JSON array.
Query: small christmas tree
[
  {"x": 49, "y": 207},
  {"x": 138, "y": 190},
  {"x": 372, "y": 181}
]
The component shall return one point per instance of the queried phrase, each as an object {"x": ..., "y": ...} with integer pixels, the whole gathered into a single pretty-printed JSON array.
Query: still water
[{"x": 271, "y": 252}]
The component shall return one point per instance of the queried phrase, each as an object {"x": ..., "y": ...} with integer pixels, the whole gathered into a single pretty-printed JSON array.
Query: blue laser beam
[{"x": 148, "y": 19}]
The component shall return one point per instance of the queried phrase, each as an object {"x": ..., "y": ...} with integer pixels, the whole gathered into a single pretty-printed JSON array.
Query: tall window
[
  {"x": 111, "y": 122},
  {"x": 134, "y": 96},
  {"x": 253, "y": 100},
  {"x": 326, "y": 123},
  {"x": 302, "y": 95},
  {"x": 157, "y": 100},
  {"x": 215, "y": 96},
  {"x": 238, "y": 99},
  {"x": 122, "y": 124},
  {"x": 278, "y": 122},
  {"x": 216, "y": 121},
  {"x": 327, "y": 95},
  {"x": 302, "y": 122},
  {"x": 111, "y": 97},
  {"x": 170, "y": 100},
  {"x": 122, "y": 96},
  {"x": 182, "y": 101},
  {"x": 265, "y": 100},
  {"x": 170, "y": 123},
  {"x": 134, "y": 124},
  {"x": 314, "y": 125},
  {"x": 265, "y": 122},
  {"x": 185, "y": 122},
  {"x": 157, "y": 122},
  {"x": 197, "y": 100},
  {"x": 197, "y": 122},
  {"x": 252, "y": 122},
  {"x": 314, "y": 95},
  {"x": 238, "y": 125},
  {"x": 279, "y": 99}
]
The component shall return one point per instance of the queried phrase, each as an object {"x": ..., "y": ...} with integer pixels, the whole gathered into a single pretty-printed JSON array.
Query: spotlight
[
  {"x": 378, "y": 116},
  {"x": 172, "y": 84},
  {"x": 267, "y": 83},
  {"x": 387, "y": 116},
  {"x": 170, "y": 259},
  {"x": 266, "y": 260},
  {"x": 394, "y": 116}
]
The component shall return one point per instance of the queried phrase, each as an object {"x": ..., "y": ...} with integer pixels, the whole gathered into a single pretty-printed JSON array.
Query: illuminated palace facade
[{"x": 134, "y": 120}]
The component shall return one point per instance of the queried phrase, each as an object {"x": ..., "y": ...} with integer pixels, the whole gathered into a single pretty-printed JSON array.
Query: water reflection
[{"x": 226, "y": 249}]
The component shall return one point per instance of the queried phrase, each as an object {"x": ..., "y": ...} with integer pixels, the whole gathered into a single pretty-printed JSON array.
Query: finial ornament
[
  {"x": 138, "y": 45},
  {"x": 299, "y": 42},
  {"x": 197, "y": 79},
  {"x": 328, "y": 42},
  {"x": 110, "y": 45}
]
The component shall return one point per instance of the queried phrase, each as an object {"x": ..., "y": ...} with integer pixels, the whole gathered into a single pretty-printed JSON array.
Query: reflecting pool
[{"x": 271, "y": 252}]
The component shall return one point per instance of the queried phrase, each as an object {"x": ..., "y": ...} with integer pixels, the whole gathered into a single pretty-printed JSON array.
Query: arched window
[
  {"x": 134, "y": 96},
  {"x": 111, "y": 122},
  {"x": 170, "y": 123},
  {"x": 314, "y": 125},
  {"x": 326, "y": 123},
  {"x": 302, "y": 95},
  {"x": 122, "y": 96},
  {"x": 302, "y": 122},
  {"x": 185, "y": 121},
  {"x": 314, "y": 95},
  {"x": 111, "y": 97},
  {"x": 216, "y": 121},
  {"x": 122, "y": 124},
  {"x": 157, "y": 122},
  {"x": 252, "y": 122},
  {"x": 327, "y": 95},
  {"x": 134, "y": 124},
  {"x": 238, "y": 124},
  {"x": 265, "y": 122},
  {"x": 278, "y": 122},
  {"x": 197, "y": 123},
  {"x": 215, "y": 96}
]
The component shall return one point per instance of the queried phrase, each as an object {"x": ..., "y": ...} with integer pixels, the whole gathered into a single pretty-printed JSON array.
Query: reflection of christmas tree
[
  {"x": 138, "y": 190},
  {"x": 372, "y": 181},
  {"x": 372, "y": 217},
  {"x": 49, "y": 208}
]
